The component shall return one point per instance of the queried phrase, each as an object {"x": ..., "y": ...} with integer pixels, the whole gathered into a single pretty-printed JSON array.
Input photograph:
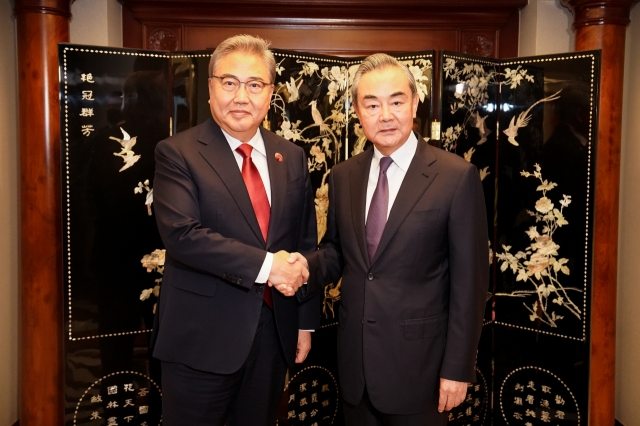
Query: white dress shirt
[
  {"x": 395, "y": 174},
  {"x": 259, "y": 158}
]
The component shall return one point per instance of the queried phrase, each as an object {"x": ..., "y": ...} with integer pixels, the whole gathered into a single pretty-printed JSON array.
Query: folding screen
[{"x": 527, "y": 125}]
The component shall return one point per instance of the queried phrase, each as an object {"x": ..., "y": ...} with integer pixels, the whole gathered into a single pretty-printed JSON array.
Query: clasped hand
[{"x": 288, "y": 272}]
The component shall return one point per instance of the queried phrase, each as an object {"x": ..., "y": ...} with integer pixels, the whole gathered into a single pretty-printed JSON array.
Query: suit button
[
  {"x": 260, "y": 289},
  {"x": 370, "y": 276},
  {"x": 239, "y": 281}
]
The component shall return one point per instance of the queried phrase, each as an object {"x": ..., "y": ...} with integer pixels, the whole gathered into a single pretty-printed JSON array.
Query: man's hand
[
  {"x": 304, "y": 346},
  {"x": 287, "y": 277},
  {"x": 297, "y": 257},
  {"x": 452, "y": 393}
]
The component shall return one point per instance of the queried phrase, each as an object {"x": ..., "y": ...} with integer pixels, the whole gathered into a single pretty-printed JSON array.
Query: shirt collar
[
  {"x": 256, "y": 142},
  {"x": 402, "y": 156}
]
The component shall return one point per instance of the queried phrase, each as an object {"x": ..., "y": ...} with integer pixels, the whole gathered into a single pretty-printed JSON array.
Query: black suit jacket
[
  {"x": 413, "y": 314},
  {"x": 209, "y": 305}
]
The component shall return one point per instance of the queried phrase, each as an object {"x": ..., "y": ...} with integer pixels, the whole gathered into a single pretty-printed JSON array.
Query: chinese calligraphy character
[
  {"x": 546, "y": 389},
  {"x": 530, "y": 399},
  {"x": 469, "y": 398},
  {"x": 314, "y": 397},
  {"x": 303, "y": 387},
  {"x": 531, "y": 385},
  {"x": 544, "y": 416},
  {"x": 469, "y": 412},
  {"x": 143, "y": 409},
  {"x": 303, "y": 401},
  {"x": 291, "y": 414},
  {"x": 87, "y": 95},
  {"x": 96, "y": 398},
  {"x": 519, "y": 387},
  {"x": 450, "y": 416},
  {"x": 517, "y": 416},
  {"x": 143, "y": 392},
  {"x": 128, "y": 403},
  {"x": 517, "y": 400},
  {"x": 530, "y": 413},
  {"x": 111, "y": 421},
  {"x": 314, "y": 383},
  {"x": 112, "y": 390},
  {"x": 112, "y": 404},
  {"x": 128, "y": 418},
  {"x": 314, "y": 412},
  {"x": 476, "y": 388},
  {"x": 560, "y": 415},
  {"x": 129, "y": 387},
  {"x": 544, "y": 403},
  {"x": 325, "y": 388},
  {"x": 292, "y": 397},
  {"x": 528, "y": 424},
  {"x": 87, "y": 77},
  {"x": 477, "y": 402},
  {"x": 476, "y": 418},
  {"x": 559, "y": 400},
  {"x": 302, "y": 416},
  {"x": 86, "y": 112},
  {"x": 143, "y": 424},
  {"x": 95, "y": 416},
  {"x": 325, "y": 403}
]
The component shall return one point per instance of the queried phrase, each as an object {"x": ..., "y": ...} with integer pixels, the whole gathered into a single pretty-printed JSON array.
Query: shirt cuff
[
  {"x": 263, "y": 275},
  {"x": 310, "y": 331}
]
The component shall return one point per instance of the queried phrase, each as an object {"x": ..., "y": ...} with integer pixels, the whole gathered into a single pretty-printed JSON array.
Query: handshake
[{"x": 288, "y": 272}]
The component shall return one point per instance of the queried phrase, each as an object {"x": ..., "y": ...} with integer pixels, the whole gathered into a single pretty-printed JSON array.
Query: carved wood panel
[{"x": 347, "y": 28}]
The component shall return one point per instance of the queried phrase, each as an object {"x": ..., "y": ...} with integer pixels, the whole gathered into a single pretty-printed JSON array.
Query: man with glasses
[{"x": 232, "y": 200}]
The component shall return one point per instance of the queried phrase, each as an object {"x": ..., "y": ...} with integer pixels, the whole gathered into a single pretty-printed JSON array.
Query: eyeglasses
[{"x": 232, "y": 84}]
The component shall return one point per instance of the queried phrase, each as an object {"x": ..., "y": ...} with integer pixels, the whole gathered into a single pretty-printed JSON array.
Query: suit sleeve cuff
[
  {"x": 263, "y": 275},
  {"x": 310, "y": 331}
]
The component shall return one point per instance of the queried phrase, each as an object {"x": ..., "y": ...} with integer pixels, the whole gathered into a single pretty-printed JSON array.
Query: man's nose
[
  {"x": 242, "y": 96},
  {"x": 385, "y": 113}
]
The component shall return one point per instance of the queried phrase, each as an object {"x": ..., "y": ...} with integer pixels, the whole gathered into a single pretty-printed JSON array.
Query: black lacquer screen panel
[
  {"x": 540, "y": 114},
  {"x": 118, "y": 103}
]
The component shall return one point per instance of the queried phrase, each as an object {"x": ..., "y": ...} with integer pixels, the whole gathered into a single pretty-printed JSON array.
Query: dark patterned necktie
[
  {"x": 377, "y": 217},
  {"x": 259, "y": 199}
]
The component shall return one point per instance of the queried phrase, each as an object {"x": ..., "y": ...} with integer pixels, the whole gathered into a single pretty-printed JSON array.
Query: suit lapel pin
[{"x": 279, "y": 157}]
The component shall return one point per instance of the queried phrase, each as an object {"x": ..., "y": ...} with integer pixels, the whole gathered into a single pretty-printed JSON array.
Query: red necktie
[{"x": 259, "y": 200}]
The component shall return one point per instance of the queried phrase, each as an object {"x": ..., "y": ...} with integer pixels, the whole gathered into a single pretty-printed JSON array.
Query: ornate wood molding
[
  {"x": 327, "y": 12},
  {"x": 602, "y": 25},
  {"x": 41, "y": 24},
  {"x": 599, "y": 12}
]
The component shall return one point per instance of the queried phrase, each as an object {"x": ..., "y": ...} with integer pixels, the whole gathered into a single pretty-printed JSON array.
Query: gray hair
[
  {"x": 379, "y": 61},
  {"x": 248, "y": 44}
]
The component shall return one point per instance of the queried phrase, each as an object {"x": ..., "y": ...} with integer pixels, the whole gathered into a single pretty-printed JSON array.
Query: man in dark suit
[
  {"x": 231, "y": 201},
  {"x": 407, "y": 233}
]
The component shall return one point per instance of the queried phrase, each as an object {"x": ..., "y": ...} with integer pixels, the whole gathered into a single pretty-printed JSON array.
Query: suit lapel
[
  {"x": 358, "y": 178},
  {"x": 278, "y": 178},
  {"x": 421, "y": 173},
  {"x": 216, "y": 151}
]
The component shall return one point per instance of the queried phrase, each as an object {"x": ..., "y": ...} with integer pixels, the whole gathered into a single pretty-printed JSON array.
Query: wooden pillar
[
  {"x": 601, "y": 24},
  {"x": 41, "y": 24}
]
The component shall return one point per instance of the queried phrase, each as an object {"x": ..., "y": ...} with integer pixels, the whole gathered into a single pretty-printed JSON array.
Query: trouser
[{"x": 248, "y": 397}]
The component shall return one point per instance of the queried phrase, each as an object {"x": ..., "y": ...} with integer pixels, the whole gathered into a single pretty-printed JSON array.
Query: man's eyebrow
[
  {"x": 393, "y": 95},
  {"x": 365, "y": 97},
  {"x": 249, "y": 79}
]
